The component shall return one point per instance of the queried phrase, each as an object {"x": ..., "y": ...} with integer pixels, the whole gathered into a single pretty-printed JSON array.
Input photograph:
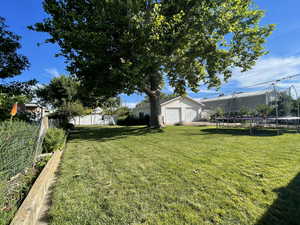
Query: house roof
[
  {"x": 237, "y": 95},
  {"x": 97, "y": 110},
  {"x": 32, "y": 105},
  {"x": 187, "y": 97}
]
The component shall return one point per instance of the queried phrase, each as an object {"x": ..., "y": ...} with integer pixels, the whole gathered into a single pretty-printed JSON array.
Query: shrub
[
  {"x": 70, "y": 126},
  {"x": 3, "y": 187},
  {"x": 54, "y": 140},
  {"x": 133, "y": 121},
  {"x": 264, "y": 110}
]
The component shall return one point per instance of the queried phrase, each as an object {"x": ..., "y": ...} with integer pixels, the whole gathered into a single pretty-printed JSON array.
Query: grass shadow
[
  {"x": 240, "y": 132},
  {"x": 109, "y": 133},
  {"x": 285, "y": 210}
]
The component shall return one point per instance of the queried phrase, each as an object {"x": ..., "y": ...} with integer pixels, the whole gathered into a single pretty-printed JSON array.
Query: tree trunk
[
  {"x": 155, "y": 110},
  {"x": 153, "y": 92}
]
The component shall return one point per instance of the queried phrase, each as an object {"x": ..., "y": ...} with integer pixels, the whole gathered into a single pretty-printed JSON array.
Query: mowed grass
[{"x": 180, "y": 175}]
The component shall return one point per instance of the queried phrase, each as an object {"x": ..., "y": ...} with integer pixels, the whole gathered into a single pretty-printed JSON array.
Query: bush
[
  {"x": 133, "y": 121},
  {"x": 54, "y": 140},
  {"x": 70, "y": 126}
]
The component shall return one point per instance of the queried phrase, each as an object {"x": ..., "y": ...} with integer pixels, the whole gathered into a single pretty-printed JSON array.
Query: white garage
[
  {"x": 173, "y": 115},
  {"x": 174, "y": 111},
  {"x": 180, "y": 110},
  {"x": 191, "y": 115}
]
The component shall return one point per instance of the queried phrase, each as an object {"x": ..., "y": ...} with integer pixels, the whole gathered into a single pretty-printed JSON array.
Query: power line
[
  {"x": 273, "y": 81},
  {"x": 257, "y": 84}
]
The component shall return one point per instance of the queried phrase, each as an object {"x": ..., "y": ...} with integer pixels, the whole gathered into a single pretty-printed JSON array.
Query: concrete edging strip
[{"x": 28, "y": 213}]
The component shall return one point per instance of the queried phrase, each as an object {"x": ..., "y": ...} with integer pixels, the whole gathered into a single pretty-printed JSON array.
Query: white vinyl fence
[{"x": 93, "y": 119}]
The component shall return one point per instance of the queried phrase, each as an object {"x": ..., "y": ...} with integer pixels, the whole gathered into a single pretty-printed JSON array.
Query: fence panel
[{"x": 20, "y": 144}]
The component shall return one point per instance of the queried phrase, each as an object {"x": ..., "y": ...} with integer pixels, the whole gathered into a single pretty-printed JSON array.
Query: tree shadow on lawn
[
  {"x": 285, "y": 210},
  {"x": 109, "y": 133},
  {"x": 239, "y": 132}
]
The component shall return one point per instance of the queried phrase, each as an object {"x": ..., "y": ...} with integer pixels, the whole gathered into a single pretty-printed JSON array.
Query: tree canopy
[
  {"x": 60, "y": 91},
  {"x": 163, "y": 98},
  {"x": 111, "y": 105},
  {"x": 127, "y": 46},
  {"x": 11, "y": 62},
  {"x": 63, "y": 94}
]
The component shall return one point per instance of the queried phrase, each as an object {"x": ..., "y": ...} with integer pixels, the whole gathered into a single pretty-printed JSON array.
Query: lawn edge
[{"x": 29, "y": 211}]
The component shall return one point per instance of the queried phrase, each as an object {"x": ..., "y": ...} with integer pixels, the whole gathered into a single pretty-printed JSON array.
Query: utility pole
[{"x": 276, "y": 105}]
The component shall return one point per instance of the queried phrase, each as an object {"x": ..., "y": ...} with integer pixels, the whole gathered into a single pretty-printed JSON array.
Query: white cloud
[
  {"x": 267, "y": 70},
  {"x": 53, "y": 72},
  {"x": 206, "y": 91}
]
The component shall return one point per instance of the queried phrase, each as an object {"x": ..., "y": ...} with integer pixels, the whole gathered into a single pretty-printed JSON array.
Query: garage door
[
  {"x": 172, "y": 115},
  {"x": 190, "y": 115}
]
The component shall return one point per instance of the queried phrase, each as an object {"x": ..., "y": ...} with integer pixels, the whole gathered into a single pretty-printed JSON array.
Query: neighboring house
[
  {"x": 37, "y": 110},
  {"x": 95, "y": 118},
  {"x": 177, "y": 110},
  {"x": 236, "y": 102}
]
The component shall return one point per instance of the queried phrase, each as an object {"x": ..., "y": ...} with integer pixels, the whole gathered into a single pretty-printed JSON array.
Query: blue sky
[{"x": 283, "y": 45}]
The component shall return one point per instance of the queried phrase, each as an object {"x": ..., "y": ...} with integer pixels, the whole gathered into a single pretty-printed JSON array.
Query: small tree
[
  {"x": 295, "y": 107},
  {"x": 67, "y": 112},
  {"x": 63, "y": 94},
  {"x": 219, "y": 112},
  {"x": 285, "y": 104},
  {"x": 111, "y": 105},
  {"x": 60, "y": 91},
  {"x": 244, "y": 111},
  {"x": 264, "y": 110}
]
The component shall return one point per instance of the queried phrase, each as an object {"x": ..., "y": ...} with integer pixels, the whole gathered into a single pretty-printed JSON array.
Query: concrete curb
[{"x": 29, "y": 211}]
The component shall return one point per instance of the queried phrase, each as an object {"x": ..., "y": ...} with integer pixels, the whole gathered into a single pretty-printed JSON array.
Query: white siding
[
  {"x": 235, "y": 103},
  {"x": 173, "y": 115},
  {"x": 185, "y": 106},
  {"x": 178, "y": 110},
  {"x": 191, "y": 115}
]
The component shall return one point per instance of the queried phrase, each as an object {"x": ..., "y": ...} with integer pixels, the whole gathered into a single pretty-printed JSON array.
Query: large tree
[
  {"x": 11, "y": 62},
  {"x": 131, "y": 46}
]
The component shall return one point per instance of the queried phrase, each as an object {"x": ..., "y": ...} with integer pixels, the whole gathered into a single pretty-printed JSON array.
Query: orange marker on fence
[{"x": 14, "y": 110}]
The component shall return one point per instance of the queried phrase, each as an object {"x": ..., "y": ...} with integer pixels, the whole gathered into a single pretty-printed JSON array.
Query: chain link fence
[{"x": 20, "y": 144}]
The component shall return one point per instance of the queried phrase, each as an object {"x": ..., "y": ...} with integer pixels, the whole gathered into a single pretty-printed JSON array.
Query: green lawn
[{"x": 180, "y": 175}]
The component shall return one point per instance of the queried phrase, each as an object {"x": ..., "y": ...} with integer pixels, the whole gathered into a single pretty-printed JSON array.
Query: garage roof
[{"x": 187, "y": 97}]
